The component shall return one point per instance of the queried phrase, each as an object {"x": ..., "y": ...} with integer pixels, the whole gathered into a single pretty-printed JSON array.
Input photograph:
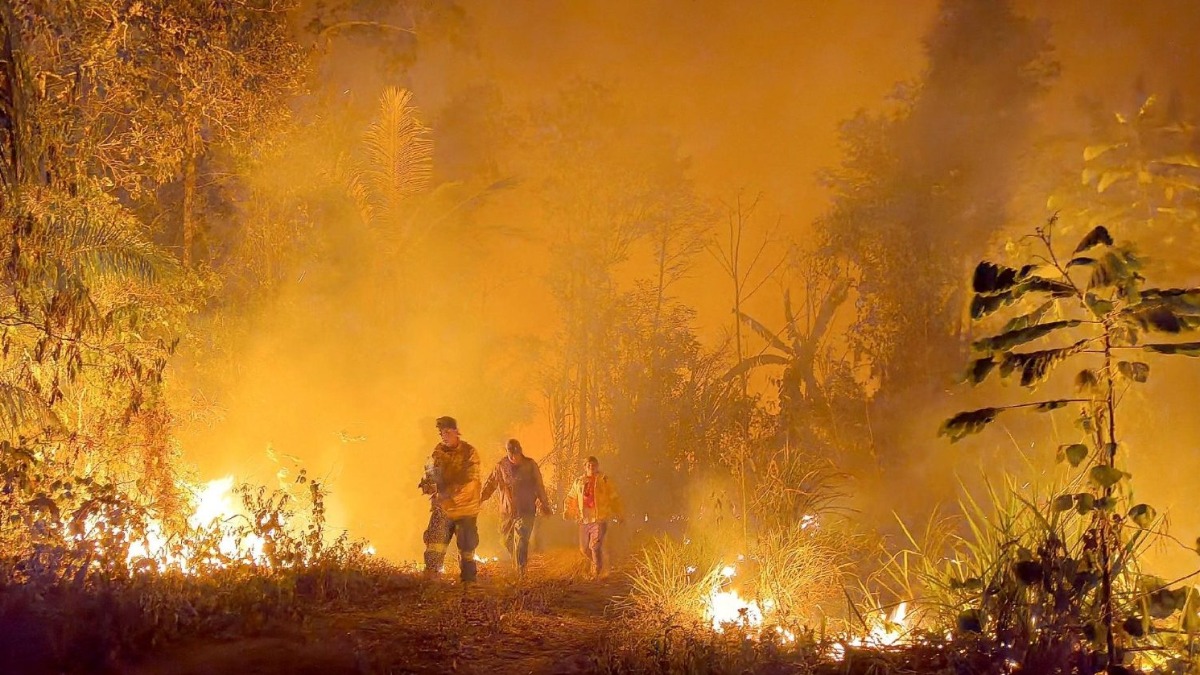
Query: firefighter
[
  {"x": 593, "y": 502},
  {"x": 452, "y": 482},
  {"x": 518, "y": 479}
]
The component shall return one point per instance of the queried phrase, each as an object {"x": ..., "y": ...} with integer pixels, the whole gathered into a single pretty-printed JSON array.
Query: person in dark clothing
[
  {"x": 452, "y": 483},
  {"x": 518, "y": 480}
]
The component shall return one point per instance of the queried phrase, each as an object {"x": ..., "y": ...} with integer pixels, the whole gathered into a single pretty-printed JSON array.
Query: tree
[
  {"x": 1096, "y": 307},
  {"x": 797, "y": 347},
  {"x": 924, "y": 186},
  {"x": 605, "y": 185},
  {"x": 1142, "y": 176},
  {"x": 138, "y": 92},
  {"x": 90, "y": 305}
]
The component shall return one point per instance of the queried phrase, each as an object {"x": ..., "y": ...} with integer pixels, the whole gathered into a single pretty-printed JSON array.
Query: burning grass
[
  {"x": 1008, "y": 592},
  {"x": 784, "y": 586},
  {"x": 89, "y": 573}
]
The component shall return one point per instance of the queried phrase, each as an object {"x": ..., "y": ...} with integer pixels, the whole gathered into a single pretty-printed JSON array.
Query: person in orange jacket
[
  {"x": 452, "y": 482},
  {"x": 592, "y": 502}
]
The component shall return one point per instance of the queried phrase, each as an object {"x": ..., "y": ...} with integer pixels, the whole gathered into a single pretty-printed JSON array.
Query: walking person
[
  {"x": 593, "y": 502},
  {"x": 452, "y": 482},
  {"x": 518, "y": 480}
]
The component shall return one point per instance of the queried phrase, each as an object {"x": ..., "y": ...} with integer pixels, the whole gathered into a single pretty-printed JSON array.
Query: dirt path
[{"x": 548, "y": 623}]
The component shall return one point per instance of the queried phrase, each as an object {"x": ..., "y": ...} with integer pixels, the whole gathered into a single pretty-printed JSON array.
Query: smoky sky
[{"x": 753, "y": 93}]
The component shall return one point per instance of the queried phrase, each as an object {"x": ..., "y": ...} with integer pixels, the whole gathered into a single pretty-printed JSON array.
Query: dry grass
[
  {"x": 671, "y": 581},
  {"x": 801, "y": 570}
]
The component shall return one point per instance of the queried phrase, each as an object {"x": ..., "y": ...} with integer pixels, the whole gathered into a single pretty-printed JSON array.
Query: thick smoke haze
[{"x": 360, "y": 341}]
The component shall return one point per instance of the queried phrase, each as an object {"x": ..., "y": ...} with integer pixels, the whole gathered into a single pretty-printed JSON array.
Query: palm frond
[
  {"x": 398, "y": 155},
  {"x": 96, "y": 252},
  {"x": 755, "y": 361},
  {"x": 94, "y": 237},
  {"x": 765, "y": 333}
]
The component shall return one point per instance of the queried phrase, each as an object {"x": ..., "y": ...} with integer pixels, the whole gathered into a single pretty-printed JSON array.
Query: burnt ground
[{"x": 553, "y": 621}]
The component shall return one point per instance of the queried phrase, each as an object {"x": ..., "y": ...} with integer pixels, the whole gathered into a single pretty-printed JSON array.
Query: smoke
[{"x": 338, "y": 349}]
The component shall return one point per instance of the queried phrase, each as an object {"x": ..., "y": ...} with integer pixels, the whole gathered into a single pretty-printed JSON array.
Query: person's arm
[
  {"x": 614, "y": 499},
  {"x": 571, "y": 507},
  {"x": 490, "y": 485},
  {"x": 547, "y": 509},
  {"x": 426, "y": 484},
  {"x": 471, "y": 488},
  {"x": 430, "y": 476}
]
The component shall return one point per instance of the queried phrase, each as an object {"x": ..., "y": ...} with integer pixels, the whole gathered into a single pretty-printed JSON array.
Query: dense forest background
[{"x": 728, "y": 252}]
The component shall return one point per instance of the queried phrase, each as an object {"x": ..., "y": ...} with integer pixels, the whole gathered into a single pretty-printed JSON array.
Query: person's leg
[
  {"x": 437, "y": 538},
  {"x": 508, "y": 525},
  {"x": 583, "y": 541},
  {"x": 593, "y": 546},
  {"x": 523, "y": 528},
  {"x": 467, "y": 531},
  {"x": 598, "y": 547},
  {"x": 535, "y": 537}
]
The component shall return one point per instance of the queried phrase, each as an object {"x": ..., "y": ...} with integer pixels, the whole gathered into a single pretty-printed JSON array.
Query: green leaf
[
  {"x": 1056, "y": 289},
  {"x": 1182, "y": 300},
  {"x": 1103, "y": 476},
  {"x": 1143, "y": 515},
  {"x": 1180, "y": 348},
  {"x": 1134, "y": 370},
  {"x": 966, "y": 423},
  {"x": 1160, "y": 319},
  {"x": 983, "y": 305},
  {"x": 1026, "y": 320},
  {"x": 1013, "y": 338},
  {"x": 990, "y": 278},
  {"x": 1114, "y": 268},
  {"x": 1084, "y": 503},
  {"x": 1097, "y": 305},
  {"x": 1062, "y": 503},
  {"x": 1047, "y": 406},
  {"x": 1098, "y": 235},
  {"x": 1075, "y": 453},
  {"x": 1035, "y": 367},
  {"x": 980, "y": 368},
  {"x": 1124, "y": 336},
  {"x": 1087, "y": 381}
]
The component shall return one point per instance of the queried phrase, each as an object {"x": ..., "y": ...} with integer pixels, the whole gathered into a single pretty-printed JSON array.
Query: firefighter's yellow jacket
[
  {"x": 456, "y": 472},
  {"x": 608, "y": 502}
]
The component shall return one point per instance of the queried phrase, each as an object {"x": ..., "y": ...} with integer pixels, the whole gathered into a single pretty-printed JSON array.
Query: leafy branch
[{"x": 1088, "y": 308}]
